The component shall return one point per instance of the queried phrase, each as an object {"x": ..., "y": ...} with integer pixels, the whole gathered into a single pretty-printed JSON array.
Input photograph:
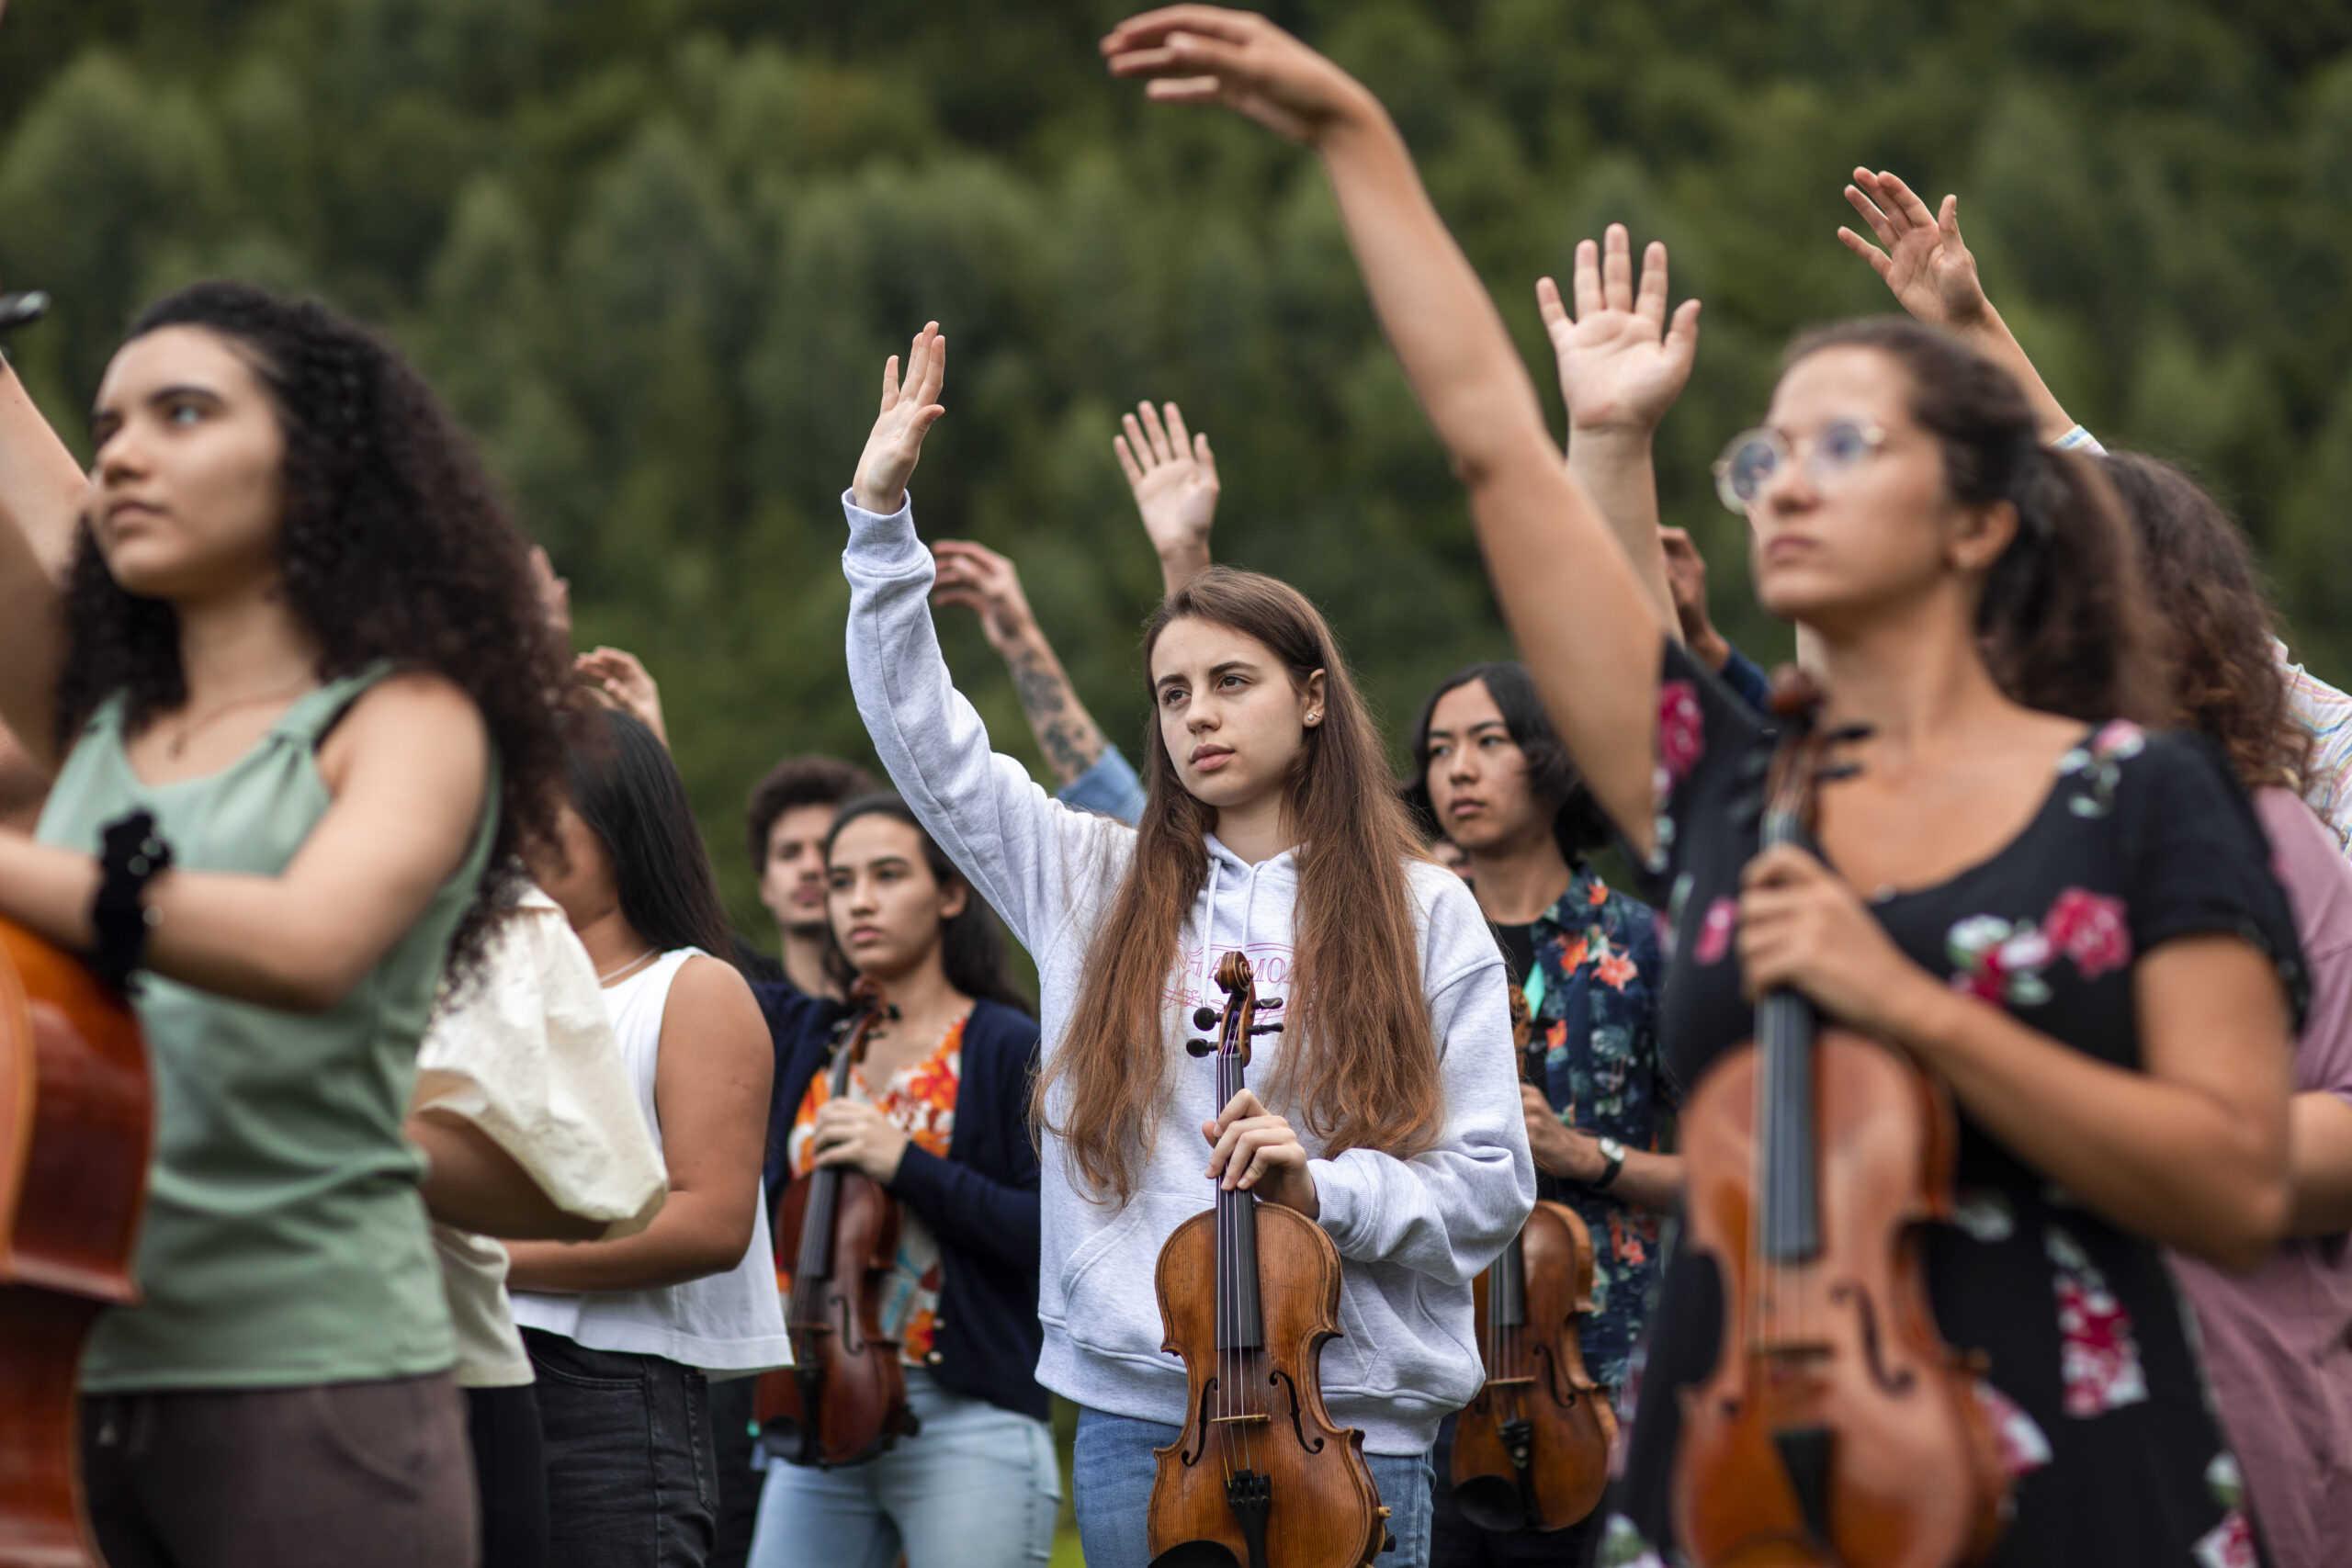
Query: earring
[{"x": 1313, "y": 717}]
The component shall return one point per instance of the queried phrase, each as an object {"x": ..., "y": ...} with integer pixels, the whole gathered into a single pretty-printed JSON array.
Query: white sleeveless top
[{"x": 729, "y": 1324}]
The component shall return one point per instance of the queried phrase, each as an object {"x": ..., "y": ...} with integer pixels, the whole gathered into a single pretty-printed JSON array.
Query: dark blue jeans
[{"x": 631, "y": 1479}]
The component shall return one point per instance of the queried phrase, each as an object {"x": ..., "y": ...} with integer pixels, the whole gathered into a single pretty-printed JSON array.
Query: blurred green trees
[{"x": 655, "y": 251}]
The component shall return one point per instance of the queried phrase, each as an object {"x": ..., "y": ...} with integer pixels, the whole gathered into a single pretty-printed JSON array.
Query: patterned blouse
[
  {"x": 1594, "y": 994},
  {"x": 919, "y": 1100}
]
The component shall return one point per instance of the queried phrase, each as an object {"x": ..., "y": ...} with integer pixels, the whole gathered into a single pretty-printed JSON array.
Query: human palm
[
  {"x": 1621, "y": 361},
  {"x": 1926, "y": 263},
  {"x": 1173, "y": 474},
  {"x": 908, "y": 411}
]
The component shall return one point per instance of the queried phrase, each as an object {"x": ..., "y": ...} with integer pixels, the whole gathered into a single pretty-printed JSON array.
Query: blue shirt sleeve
[
  {"x": 1746, "y": 678},
  {"x": 1109, "y": 789}
]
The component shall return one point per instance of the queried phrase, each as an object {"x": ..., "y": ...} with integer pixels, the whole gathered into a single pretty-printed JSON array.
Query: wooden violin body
[
  {"x": 1836, "y": 1428},
  {"x": 1836, "y": 1417},
  {"x": 1532, "y": 1450},
  {"x": 1248, "y": 1293},
  {"x": 77, "y": 1122},
  {"x": 844, "y": 1400}
]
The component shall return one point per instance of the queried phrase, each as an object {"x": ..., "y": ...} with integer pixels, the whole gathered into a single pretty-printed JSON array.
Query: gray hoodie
[{"x": 1411, "y": 1232}]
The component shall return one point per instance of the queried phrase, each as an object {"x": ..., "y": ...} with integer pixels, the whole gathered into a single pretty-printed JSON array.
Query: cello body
[
  {"x": 1532, "y": 1450},
  {"x": 844, "y": 1400},
  {"x": 1260, "y": 1477},
  {"x": 76, "y": 1126},
  {"x": 1835, "y": 1428}
]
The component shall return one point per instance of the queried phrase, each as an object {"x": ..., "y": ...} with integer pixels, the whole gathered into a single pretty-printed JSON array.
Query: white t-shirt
[{"x": 528, "y": 1058}]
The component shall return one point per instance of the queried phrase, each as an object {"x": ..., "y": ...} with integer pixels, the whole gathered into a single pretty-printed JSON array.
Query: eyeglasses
[{"x": 1754, "y": 458}]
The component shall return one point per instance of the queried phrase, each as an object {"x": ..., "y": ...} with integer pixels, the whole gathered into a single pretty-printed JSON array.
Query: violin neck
[
  {"x": 1788, "y": 1162},
  {"x": 1240, "y": 1324},
  {"x": 816, "y": 1260}
]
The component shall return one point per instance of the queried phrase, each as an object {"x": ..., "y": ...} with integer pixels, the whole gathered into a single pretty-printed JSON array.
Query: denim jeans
[
  {"x": 977, "y": 1487},
  {"x": 631, "y": 1482},
  {"x": 1113, "y": 1470}
]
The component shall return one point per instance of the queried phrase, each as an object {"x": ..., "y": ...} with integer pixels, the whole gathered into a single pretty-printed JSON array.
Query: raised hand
[
  {"x": 1621, "y": 361},
  {"x": 1686, "y": 578},
  {"x": 985, "y": 583},
  {"x": 908, "y": 412},
  {"x": 621, "y": 680},
  {"x": 1925, "y": 264},
  {"x": 1173, "y": 476},
  {"x": 1206, "y": 54}
]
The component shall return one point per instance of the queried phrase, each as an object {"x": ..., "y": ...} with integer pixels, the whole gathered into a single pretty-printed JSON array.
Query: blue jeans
[
  {"x": 631, "y": 1481},
  {"x": 1113, "y": 1472},
  {"x": 977, "y": 1487}
]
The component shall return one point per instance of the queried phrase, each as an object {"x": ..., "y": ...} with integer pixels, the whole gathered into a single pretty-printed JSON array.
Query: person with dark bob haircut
[
  {"x": 625, "y": 1336},
  {"x": 298, "y": 646},
  {"x": 2068, "y": 918},
  {"x": 1490, "y": 775},
  {"x": 784, "y": 824},
  {"x": 937, "y": 1112}
]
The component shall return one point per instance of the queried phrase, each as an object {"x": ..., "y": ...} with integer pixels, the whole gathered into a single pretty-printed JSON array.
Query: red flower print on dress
[
  {"x": 2090, "y": 928},
  {"x": 1614, "y": 969},
  {"x": 2098, "y": 1361},
  {"x": 1714, "y": 930},
  {"x": 1681, "y": 729},
  {"x": 2229, "y": 1544},
  {"x": 1598, "y": 895}
]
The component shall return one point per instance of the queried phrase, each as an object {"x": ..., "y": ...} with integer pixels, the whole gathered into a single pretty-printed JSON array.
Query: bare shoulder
[
  {"x": 425, "y": 717},
  {"x": 710, "y": 996}
]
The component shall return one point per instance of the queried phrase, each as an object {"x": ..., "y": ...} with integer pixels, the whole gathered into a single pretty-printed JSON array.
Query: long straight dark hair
[
  {"x": 623, "y": 783},
  {"x": 971, "y": 945},
  {"x": 1359, "y": 1061}
]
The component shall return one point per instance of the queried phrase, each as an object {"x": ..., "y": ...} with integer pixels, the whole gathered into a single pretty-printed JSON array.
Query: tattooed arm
[{"x": 985, "y": 582}]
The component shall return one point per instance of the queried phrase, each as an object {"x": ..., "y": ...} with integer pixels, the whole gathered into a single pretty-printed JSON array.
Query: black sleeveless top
[{"x": 2094, "y": 1379}]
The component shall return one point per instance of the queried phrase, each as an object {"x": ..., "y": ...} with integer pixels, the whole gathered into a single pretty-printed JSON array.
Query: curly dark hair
[
  {"x": 796, "y": 782},
  {"x": 395, "y": 544},
  {"x": 2199, "y": 569},
  {"x": 1577, "y": 826}
]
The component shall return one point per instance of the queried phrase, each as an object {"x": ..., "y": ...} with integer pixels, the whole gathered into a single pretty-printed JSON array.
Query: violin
[
  {"x": 844, "y": 1399},
  {"x": 1248, "y": 1292},
  {"x": 1531, "y": 1453},
  {"x": 77, "y": 1123},
  {"x": 1836, "y": 1428}
]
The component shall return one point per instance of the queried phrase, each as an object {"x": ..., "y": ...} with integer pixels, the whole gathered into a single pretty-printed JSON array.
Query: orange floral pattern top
[{"x": 919, "y": 1100}]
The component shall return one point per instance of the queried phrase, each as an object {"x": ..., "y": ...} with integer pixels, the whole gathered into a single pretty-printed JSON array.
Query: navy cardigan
[{"x": 980, "y": 1202}]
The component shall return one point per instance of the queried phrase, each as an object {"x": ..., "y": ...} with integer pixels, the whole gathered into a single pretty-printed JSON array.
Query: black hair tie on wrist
[{"x": 133, "y": 856}]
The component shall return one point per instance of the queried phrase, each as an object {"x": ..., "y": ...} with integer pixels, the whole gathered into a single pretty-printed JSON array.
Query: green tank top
[{"x": 284, "y": 1240}]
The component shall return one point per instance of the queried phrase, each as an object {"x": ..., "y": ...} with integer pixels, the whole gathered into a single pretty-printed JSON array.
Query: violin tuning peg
[
  {"x": 1205, "y": 1017},
  {"x": 1270, "y": 1004},
  {"x": 1200, "y": 1047},
  {"x": 1265, "y": 1029}
]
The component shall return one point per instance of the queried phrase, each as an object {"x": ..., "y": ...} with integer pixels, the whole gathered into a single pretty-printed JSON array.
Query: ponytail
[{"x": 2064, "y": 622}]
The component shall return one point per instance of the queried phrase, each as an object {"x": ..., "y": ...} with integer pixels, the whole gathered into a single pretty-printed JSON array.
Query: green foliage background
[{"x": 655, "y": 251}]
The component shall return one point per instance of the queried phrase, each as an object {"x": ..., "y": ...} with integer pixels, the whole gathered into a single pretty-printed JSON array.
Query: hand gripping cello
[
  {"x": 1836, "y": 1428},
  {"x": 844, "y": 1399},
  {"x": 1532, "y": 1450},
  {"x": 1248, "y": 1292}
]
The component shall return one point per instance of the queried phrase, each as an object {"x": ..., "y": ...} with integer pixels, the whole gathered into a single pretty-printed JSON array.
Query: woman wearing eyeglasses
[{"x": 2069, "y": 917}]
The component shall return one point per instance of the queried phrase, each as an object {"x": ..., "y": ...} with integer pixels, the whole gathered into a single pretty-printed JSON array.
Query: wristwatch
[{"x": 1614, "y": 1153}]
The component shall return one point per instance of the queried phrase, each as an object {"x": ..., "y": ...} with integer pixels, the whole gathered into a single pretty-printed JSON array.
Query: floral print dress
[{"x": 2092, "y": 1375}]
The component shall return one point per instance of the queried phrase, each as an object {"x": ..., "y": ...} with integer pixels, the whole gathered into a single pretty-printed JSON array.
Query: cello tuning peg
[
  {"x": 1205, "y": 1017},
  {"x": 1200, "y": 1047}
]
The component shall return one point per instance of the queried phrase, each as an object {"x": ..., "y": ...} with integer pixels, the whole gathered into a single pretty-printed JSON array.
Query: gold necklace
[{"x": 178, "y": 743}]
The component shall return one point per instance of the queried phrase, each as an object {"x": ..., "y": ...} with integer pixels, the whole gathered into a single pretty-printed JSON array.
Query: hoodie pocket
[{"x": 1110, "y": 1294}]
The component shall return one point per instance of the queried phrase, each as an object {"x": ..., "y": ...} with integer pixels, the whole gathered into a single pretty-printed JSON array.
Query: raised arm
[
  {"x": 1004, "y": 833},
  {"x": 42, "y": 493},
  {"x": 1173, "y": 476},
  {"x": 1589, "y": 629},
  {"x": 1622, "y": 365},
  {"x": 1932, "y": 274},
  {"x": 985, "y": 583}
]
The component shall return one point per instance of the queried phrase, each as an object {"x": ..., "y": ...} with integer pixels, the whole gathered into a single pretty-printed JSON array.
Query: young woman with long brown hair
[
  {"x": 1388, "y": 1109},
  {"x": 2069, "y": 918}
]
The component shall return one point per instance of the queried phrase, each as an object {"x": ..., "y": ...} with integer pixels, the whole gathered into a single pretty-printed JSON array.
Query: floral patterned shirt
[
  {"x": 919, "y": 1100},
  {"x": 2092, "y": 1377},
  {"x": 1593, "y": 995}
]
